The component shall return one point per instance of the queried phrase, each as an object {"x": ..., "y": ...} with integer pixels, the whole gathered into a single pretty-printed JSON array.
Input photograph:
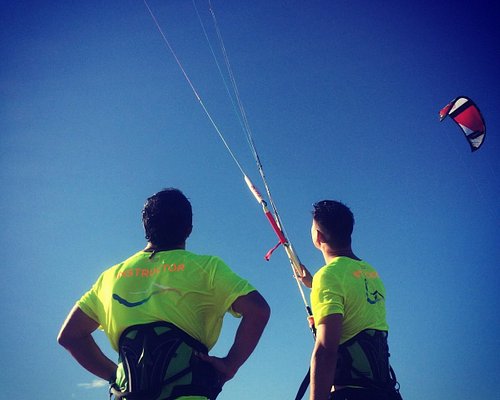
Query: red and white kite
[{"x": 468, "y": 117}]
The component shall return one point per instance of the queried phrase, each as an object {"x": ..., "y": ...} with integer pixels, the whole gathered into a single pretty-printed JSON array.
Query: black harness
[
  {"x": 160, "y": 363},
  {"x": 363, "y": 361}
]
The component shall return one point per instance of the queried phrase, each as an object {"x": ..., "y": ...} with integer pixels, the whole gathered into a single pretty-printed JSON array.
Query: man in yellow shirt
[
  {"x": 162, "y": 310},
  {"x": 350, "y": 360}
]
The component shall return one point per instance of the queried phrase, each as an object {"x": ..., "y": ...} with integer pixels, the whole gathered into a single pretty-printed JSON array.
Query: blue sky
[{"x": 343, "y": 100}]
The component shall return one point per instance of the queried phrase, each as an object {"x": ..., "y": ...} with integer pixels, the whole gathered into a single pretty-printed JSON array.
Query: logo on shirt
[
  {"x": 372, "y": 296},
  {"x": 161, "y": 289}
]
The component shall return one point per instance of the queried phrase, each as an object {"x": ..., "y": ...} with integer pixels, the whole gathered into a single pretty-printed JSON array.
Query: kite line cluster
[{"x": 272, "y": 216}]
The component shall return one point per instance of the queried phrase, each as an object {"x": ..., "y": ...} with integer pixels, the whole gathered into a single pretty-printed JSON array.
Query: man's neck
[
  {"x": 330, "y": 254},
  {"x": 150, "y": 247}
]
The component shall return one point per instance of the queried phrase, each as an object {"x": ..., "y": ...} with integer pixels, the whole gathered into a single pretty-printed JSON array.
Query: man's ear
[{"x": 320, "y": 237}]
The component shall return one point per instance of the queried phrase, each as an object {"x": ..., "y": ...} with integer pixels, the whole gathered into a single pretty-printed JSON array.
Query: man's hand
[
  {"x": 223, "y": 367},
  {"x": 305, "y": 277}
]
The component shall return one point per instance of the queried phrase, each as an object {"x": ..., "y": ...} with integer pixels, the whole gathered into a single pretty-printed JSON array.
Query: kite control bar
[{"x": 294, "y": 260}]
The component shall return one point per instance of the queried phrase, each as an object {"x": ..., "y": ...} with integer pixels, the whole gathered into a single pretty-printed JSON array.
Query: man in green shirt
[
  {"x": 350, "y": 360},
  {"x": 162, "y": 310}
]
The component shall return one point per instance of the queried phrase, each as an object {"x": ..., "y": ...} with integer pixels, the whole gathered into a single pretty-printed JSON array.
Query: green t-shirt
[
  {"x": 191, "y": 291},
  {"x": 351, "y": 288}
]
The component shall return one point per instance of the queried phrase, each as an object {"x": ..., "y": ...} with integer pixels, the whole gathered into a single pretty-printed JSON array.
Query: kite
[{"x": 467, "y": 116}]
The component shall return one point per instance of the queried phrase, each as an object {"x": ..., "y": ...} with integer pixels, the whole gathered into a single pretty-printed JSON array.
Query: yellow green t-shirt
[
  {"x": 351, "y": 288},
  {"x": 192, "y": 291}
]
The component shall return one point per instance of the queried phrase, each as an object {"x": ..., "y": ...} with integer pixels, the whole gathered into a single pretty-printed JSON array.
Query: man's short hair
[
  {"x": 167, "y": 217},
  {"x": 336, "y": 222}
]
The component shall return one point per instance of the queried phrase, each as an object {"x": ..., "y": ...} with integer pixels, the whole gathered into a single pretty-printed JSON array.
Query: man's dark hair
[
  {"x": 167, "y": 217},
  {"x": 336, "y": 222}
]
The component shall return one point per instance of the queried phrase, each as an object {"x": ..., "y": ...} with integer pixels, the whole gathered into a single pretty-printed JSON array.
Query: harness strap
[{"x": 304, "y": 385}]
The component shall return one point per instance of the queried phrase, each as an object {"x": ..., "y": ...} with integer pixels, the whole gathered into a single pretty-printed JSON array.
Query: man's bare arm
[
  {"x": 76, "y": 337},
  {"x": 324, "y": 356},
  {"x": 255, "y": 314}
]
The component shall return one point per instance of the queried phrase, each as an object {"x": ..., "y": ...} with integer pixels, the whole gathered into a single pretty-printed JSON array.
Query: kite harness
[
  {"x": 363, "y": 362},
  {"x": 159, "y": 361}
]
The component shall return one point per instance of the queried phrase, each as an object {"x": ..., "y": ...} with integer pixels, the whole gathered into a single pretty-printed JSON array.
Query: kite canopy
[{"x": 467, "y": 116}]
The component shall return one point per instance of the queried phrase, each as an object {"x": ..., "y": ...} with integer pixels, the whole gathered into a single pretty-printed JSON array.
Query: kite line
[{"x": 273, "y": 217}]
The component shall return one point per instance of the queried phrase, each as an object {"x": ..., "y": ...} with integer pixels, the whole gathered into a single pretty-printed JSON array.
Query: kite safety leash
[{"x": 272, "y": 217}]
